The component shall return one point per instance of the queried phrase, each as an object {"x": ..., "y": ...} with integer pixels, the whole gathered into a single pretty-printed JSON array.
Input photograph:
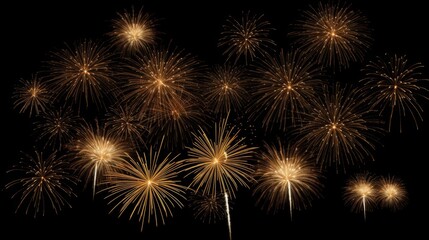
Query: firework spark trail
[
  {"x": 290, "y": 198},
  {"x": 228, "y": 215}
]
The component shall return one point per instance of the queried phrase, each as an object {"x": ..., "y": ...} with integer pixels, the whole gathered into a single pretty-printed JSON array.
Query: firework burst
[
  {"x": 57, "y": 127},
  {"x": 32, "y": 96},
  {"x": 159, "y": 77},
  {"x": 98, "y": 152},
  {"x": 284, "y": 86},
  {"x": 127, "y": 124},
  {"x": 393, "y": 85},
  {"x": 207, "y": 207},
  {"x": 225, "y": 90},
  {"x": 43, "y": 183},
  {"x": 392, "y": 193},
  {"x": 284, "y": 176},
  {"x": 82, "y": 73},
  {"x": 134, "y": 31},
  {"x": 334, "y": 34},
  {"x": 340, "y": 130},
  {"x": 219, "y": 165},
  {"x": 148, "y": 186},
  {"x": 361, "y": 193},
  {"x": 177, "y": 120},
  {"x": 246, "y": 37}
]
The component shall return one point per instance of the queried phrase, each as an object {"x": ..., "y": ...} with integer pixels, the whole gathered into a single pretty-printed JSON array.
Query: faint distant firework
[
  {"x": 340, "y": 130},
  {"x": 392, "y": 193},
  {"x": 148, "y": 187},
  {"x": 56, "y": 127},
  {"x": 208, "y": 208},
  {"x": 82, "y": 74},
  {"x": 393, "y": 86},
  {"x": 247, "y": 37},
  {"x": 159, "y": 77},
  {"x": 225, "y": 90},
  {"x": 127, "y": 125},
  {"x": 97, "y": 153},
  {"x": 283, "y": 87},
  {"x": 42, "y": 183},
  {"x": 176, "y": 119},
  {"x": 133, "y": 31},
  {"x": 334, "y": 34},
  {"x": 285, "y": 176},
  {"x": 221, "y": 164},
  {"x": 31, "y": 96},
  {"x": 361, "y": 193}
]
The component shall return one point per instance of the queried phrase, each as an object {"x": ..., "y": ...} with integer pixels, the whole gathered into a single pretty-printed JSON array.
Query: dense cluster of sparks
[{"x": 164, "y": 95}]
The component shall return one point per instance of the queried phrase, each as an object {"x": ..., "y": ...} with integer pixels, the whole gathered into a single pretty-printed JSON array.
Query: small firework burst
[
  {"x": 394, "y": 86},
  {"x": 82, "y": 74},
  {"x": 225, "y": 90},
  {"x": 284, "y": 176},
  {"x": 32, "y": 96},
  {"x": 392, "y": 193},
  {"x": 207, "y": 207},
  {"x": 127, "y": 124},
  {"x": 247, "y": 37},
  {"x": 148, "y": 187},
  {"x": 57, "y": 127},
  {"x": 334, "y": 34},
  {"x": 283, "y": 87},
  {"x": 43, "y": 183},
  {"x": 134, "y": 31},
  {"x": 361, "y": 193}
]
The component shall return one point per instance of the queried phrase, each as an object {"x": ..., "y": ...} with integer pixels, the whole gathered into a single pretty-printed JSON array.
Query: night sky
[{"x": 31, "y": 30}]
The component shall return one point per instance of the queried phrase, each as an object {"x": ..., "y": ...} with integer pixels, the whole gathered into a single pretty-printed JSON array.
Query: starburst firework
[
  {"x": 225, "y": 90},
  {"x": 82, "y": 74},
  {"x": 361, "y": 193},
  {"x": 392, "y": 193},
  {"x": 283, "y": 87},
  {"x": 393, "y": 86},
  {"x": 147, "y": 186},
  {"x": 134, "y": 31},
  {"x": 340, "y": 130},
  {"x": 43, "y": 183},
  {"x": 284, "y": 176},
  {"x": 32, "y": 96},
  {"x": 247, "y": 37},
  {"x": 334, "y": 34},
  {"x": 97, "y": 153},
  {"x": 221, "y": 164}
]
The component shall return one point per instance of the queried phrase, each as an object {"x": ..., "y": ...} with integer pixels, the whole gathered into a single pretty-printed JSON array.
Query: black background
[{"x": 31, "y": 30}]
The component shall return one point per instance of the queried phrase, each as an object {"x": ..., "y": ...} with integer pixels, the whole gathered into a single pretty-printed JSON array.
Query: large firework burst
[
  {"x": 340, "y": 130},
  {"x": 219, "y": 165},
  {"x": 82, "y": 73},
  {"x": 283, "y": 87},
  {"x": 334, "y": 34},
  {"x": 146, "y": 186},
  {"x": 159, "y": 77},
  {"x": 393, "y": 86},
  {"x": 97, "y": 153}
]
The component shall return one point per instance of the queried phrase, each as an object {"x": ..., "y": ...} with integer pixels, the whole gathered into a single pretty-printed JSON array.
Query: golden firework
[
  {"x": 361, "y": 193},
  {"x": 392, "y": 193},
  {"x": 32, "y": 96}
]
